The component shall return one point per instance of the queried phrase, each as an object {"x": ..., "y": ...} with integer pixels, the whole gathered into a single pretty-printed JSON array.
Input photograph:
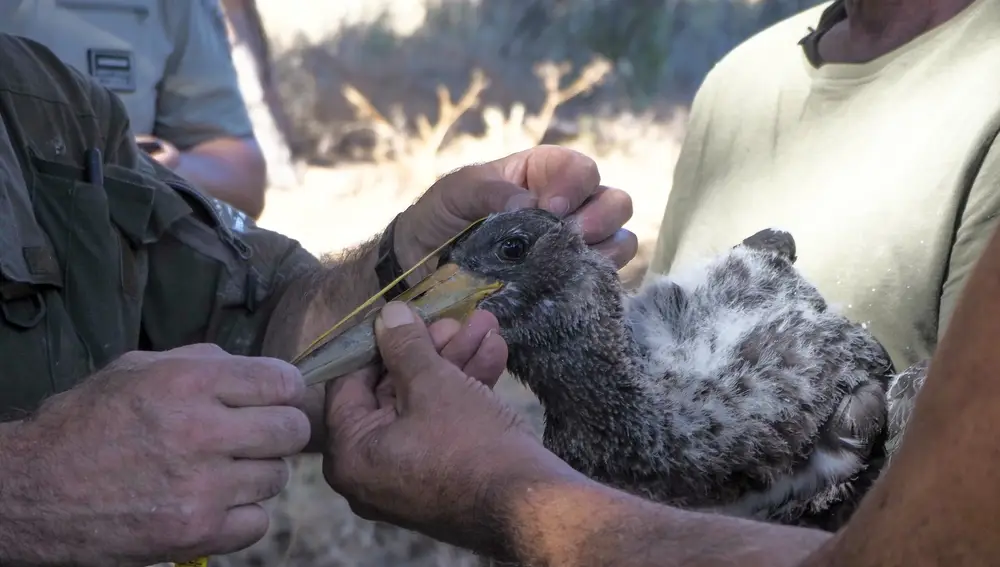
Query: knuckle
[
  {"x": 278, "y": 480},
  {"x": 293, "y": 428},
  {"x": 188, "y": 381},
  {"x": 271, "y": 482},
  {"x": 290, "y": 385},
  {"x": 201, "y": 349},
  {"x": 134, "y": 358},
  {"x": 191, "y": 524},
  {"x": 279, "y": 382}
]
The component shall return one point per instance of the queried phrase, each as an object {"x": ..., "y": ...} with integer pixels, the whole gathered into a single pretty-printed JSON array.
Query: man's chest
[
  {"x": 871, "y": 193},
  {"x": 121, "y": 44}
]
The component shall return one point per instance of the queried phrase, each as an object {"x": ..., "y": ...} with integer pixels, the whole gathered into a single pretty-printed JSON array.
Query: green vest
[{"x": 103, "y": 252}]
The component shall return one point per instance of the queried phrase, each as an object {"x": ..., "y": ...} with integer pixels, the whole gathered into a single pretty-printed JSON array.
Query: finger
[
  {"x": 621, "y": 248},
  {"x": 242, "y": 381},
  {"x": 266, "y": 432},
  {"x": 350, "y": 398},
  {"x": 604, "y": 214},
  {"x": 252, "y": 481},
  {"x": 465, "y": 343},
  {"x": 478, "y": 192},
  {"x": 490, "y": 360},
  {"x": 443, "y": 331},
  {"x": 408, "y": 353},
  {"x": 242, "y": 527},
  {"x": 561, "y": 178},
  {"x": 199, "y": 350}
]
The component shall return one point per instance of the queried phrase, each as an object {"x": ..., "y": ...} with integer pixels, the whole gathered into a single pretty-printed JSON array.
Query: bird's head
[
  {"x": 530, "y": 269},
  {"x": 550, "y": 277}
]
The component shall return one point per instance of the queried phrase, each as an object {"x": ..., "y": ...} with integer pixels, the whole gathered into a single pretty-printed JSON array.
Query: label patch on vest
[{"x": 114, "y": 69}]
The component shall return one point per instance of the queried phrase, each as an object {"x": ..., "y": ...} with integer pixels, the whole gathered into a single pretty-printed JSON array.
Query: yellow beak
[{"x": 449, "y": 292}]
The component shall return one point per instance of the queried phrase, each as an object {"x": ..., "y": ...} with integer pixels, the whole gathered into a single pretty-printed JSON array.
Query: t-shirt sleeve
[
  {"x": 199, "y": 98},
  {"x": 975, "y": 227}
]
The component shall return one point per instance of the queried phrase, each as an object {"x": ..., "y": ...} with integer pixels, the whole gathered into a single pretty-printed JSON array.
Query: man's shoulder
[
  {"x": 180, "y": 17},
  {"x": 33, "y": 69}
]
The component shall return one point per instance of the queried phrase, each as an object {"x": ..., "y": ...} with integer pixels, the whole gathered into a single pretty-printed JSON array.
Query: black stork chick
[{"x": 731, "y": 387}]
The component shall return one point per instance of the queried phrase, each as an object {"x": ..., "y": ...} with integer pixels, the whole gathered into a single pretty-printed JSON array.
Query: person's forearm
[
  {"x": 22, "y": 539},
  {"x": 317, "y": 301},
  {"x": 230, "y": 169},
  {"x": 585, "y": 524}
]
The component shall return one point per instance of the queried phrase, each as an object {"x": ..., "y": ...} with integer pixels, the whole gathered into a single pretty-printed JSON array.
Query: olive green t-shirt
[{"x": 886, "y": 173}]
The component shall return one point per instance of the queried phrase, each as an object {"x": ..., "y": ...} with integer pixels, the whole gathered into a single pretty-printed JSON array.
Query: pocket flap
[
  {"x": 140, "y": 206},
  {"x": 26, "y": 257}
]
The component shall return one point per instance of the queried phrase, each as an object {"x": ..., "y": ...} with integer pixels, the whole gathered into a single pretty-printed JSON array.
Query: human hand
[
  {"x": 159, "y": 149},
  {"x": 158, "y": 457},
  {"x": 430, "y": 447},
  {"x": 558, "y": 179}
]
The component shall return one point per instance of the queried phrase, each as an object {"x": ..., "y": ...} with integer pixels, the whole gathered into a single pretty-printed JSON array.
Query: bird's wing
[
  {"x": 773, "y": 240},
  {"x": 902, "y": 396}
]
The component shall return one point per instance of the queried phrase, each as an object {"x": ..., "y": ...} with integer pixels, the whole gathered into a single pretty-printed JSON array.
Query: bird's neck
[{"x": 598, "y": 410}]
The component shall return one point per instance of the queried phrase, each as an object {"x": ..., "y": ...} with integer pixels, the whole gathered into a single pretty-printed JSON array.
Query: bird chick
[{"x": 730, "y": 387}]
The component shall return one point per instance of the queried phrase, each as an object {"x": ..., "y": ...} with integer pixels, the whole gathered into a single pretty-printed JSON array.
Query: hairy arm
[
  {"x": 19, "y": 544},
  {"x": 584, "y": 524},
  {"x": 230, "y": 169},
  {"x": 313, "y": 303}
]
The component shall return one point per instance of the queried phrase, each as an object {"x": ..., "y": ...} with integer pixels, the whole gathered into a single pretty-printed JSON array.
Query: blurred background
[{"x": 361, "y": 105}]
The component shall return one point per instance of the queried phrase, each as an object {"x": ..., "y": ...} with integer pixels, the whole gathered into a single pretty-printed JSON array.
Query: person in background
[
  {"x": 867, "y": 129},
  {"x": 170, "y": 64}
]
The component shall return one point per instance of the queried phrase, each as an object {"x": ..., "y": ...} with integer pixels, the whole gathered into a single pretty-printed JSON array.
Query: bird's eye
[{"x": 512, "y": 249}]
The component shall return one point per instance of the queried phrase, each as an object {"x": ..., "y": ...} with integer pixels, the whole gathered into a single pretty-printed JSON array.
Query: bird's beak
[{"x": 449, "y": 292}]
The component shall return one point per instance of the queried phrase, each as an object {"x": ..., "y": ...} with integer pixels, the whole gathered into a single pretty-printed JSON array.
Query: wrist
[
  {"x": 408, "y": 248},
  {"x": 513, "y": 502}
]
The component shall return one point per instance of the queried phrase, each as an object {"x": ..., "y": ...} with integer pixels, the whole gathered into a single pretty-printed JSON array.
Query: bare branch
[
  {"x": 431, "y": 137},
  {"x": 551, "y": 75},
  {"x": 383, "y": 128}
]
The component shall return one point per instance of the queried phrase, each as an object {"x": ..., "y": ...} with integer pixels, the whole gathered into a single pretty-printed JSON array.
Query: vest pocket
[{"x": 101, "y": 273}]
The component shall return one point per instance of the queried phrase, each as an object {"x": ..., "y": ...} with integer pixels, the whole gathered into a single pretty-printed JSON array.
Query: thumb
[{"x": 407, "y": 351}]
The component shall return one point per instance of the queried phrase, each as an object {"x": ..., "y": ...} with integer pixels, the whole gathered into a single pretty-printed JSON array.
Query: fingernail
[
  {"x": 520, "y": 201},
  {"x": 558, "y": 206},
  {"x": 396, "y": 314}
]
